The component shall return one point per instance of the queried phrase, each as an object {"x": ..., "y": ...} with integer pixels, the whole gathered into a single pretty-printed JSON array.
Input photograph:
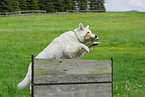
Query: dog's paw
[{"x": 85, "y": 47}]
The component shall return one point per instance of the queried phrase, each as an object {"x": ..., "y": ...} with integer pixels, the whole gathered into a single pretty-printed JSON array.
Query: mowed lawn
[{"x": 122, "y": 36}]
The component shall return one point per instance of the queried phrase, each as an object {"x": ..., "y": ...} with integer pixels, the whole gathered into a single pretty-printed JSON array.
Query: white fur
[{"x": 65, "y": 46}]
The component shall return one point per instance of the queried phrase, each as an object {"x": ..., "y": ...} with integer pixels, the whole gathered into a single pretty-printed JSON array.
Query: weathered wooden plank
[
  {"x": 69, "y": 70},
  {"x": 79, "y": 90},
  {"x": 71, "y": 78}
]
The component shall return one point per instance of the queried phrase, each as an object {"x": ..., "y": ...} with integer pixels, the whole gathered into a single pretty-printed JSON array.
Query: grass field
[{"x": 122, "y": 36}]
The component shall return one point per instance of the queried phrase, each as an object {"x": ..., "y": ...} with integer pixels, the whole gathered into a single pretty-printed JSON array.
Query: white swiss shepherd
[{"x": 70, "y": 44}]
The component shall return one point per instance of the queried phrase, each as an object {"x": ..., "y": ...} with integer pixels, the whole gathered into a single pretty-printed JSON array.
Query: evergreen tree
[
  {"x": 22, "y": 4},
  {"x": 82, "y": 4},
  {"x": 15, "y": 5},
  {"x": 28, "y": 3},
  {"x": 35, "y": 4},
  {"x": 51, "y": 5},
  {"x": 69, "y": 5},
  {"x": 58, "y": 5},
  {"x": 9, "y": 5},
  {"x": 91, "y": 4},
  {"x": 46, "y": 5},
  {"x": 97, "y": 5},
  {"x": 102, "y": 7},
  {"x": 4, "y": 6},
  {"x": 32, "y": 5}
]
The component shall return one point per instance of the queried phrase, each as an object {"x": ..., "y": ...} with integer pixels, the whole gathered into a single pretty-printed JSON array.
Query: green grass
[{"x": 121, "y": 37}]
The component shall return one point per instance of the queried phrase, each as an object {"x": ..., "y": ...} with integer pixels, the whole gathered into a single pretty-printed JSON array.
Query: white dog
[{"x": 70, "y": 44}]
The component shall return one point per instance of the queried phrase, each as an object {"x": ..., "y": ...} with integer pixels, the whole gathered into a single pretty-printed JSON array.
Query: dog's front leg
[
  {"x": 86, "y": 48},
  {"x": 73, "y": 50},
  {"x": 82, "y": 51}
]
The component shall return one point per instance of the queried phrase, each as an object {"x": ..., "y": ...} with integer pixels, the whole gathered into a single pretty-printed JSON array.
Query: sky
[{"x": 125, "y": 5}]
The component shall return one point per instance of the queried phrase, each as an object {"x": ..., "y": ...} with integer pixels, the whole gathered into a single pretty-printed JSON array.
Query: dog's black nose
[{"x": 96, "y": 36}]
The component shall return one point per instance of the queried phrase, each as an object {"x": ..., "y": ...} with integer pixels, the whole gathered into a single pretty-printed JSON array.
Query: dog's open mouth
[{"x": 94, "y": 41}]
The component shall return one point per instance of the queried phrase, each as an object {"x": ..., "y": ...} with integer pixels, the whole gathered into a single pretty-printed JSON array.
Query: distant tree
[
  {"x": 23, "y": 4},
  {"x": 9, "y": 5},
  {"x": 97, "y": 4},
  {"x": 91, "y": 4},
  {"x": 15, "y": 5},
  {"x": 5, "y": 5},
  {"x": 47, "y": 5},
  {"x": 82, "y": 4},
  {"x": 35, "y": 5},
  {"x": 101, "y": 5},
  {"x": 51, "y": 5},
  {"x": 58, "y": 5},
  {"x": 69, "y": 5},
  {"x": 32, "y": 4}
]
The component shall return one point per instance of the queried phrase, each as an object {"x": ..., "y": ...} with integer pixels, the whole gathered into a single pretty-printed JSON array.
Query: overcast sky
[{"x": 125, "y": 5}]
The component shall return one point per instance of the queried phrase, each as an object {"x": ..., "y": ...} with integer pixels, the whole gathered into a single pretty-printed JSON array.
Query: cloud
[
  {"x": 125, "y": 5},
  {"x": 138, "y": 3}
]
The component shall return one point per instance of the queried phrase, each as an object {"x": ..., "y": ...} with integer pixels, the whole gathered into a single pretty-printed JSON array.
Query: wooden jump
[{"x": 72, "y": 78}]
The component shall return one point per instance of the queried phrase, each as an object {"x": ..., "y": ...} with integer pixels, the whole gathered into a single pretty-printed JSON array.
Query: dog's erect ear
[
  {"x": 87, "y": 27},
  {"x": 81, "y": 27}
]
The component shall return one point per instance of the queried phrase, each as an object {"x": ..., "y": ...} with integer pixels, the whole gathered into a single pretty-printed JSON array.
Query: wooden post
[
  {"x": 32, "y": 75},
  {"x": 112, "y": 74}
]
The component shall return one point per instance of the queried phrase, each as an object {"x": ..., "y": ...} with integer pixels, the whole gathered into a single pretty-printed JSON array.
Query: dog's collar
[{"x": 77, "y": 37}]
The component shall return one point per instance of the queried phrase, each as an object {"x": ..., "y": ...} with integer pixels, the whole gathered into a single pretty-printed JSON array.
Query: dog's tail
[{"x": 27, "y": 80}]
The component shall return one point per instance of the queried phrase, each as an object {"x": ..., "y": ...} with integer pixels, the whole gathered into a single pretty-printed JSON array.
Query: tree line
[{"x": 51, "y": 5}]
